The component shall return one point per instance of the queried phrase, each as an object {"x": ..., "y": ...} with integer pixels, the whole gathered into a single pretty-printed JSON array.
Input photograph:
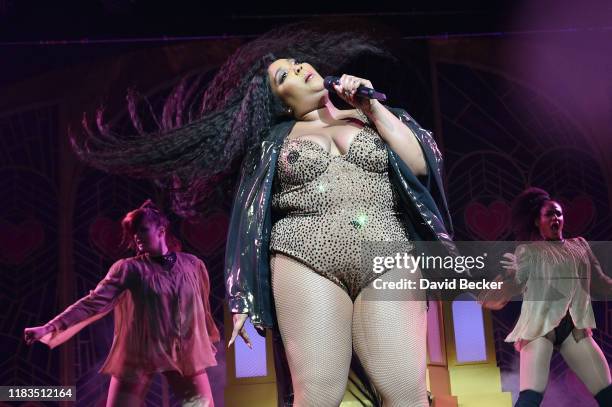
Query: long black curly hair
[
  {"x": 204, "y": 130},
  {"x": 525, "y": 209}
]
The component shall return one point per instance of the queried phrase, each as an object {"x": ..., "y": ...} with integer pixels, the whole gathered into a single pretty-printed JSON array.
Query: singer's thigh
[
  {"x": 314, "y": 319},
  {"x": 389, "y": 334}
]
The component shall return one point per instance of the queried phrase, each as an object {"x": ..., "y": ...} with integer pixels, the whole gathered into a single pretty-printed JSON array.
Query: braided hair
[{"x": 203, "y": 134}]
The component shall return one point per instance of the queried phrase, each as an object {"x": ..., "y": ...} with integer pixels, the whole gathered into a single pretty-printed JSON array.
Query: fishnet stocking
[
  {"x": 389, "y": 338},
  {"x": 318, "y": 323},
  {"x": 314, "y": 318}
]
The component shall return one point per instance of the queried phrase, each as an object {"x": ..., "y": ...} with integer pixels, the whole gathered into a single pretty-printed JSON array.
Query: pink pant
[{"x": 193, "y": 391}]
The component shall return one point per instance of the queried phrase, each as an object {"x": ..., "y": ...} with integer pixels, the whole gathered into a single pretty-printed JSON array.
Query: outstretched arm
[
  {"x": 513, "y": 281},
  {"x": 601, "y": 284},
  {"x": 88, "y": 309}
]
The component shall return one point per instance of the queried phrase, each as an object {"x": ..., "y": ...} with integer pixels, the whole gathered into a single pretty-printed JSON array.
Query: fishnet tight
[{"x": 320, "y": 325}]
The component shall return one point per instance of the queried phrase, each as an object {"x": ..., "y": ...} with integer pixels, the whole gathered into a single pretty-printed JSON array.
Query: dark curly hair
[
  {"x": 202, "y": 133},
  {"x": 525, "y": 209}
]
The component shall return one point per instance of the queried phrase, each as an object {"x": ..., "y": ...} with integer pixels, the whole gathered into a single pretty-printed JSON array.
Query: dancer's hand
[
  {"x": 509, "y": 264},
  {"x": 31, "y": 335},
  {"x": 239, "y": 320},
  {"x": 347, "y": 89}
]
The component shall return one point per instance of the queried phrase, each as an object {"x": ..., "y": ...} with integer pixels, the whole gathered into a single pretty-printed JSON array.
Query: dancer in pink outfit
[{"x": 162, "y": 315}]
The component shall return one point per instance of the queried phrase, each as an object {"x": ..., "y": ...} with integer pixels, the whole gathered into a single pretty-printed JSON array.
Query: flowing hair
[{"x": 205, "y": 130}]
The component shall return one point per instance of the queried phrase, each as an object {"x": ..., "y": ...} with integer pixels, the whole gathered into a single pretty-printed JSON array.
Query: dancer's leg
[
  {"x": 534, "y": 370},
  {"x": 314, "y": 319},
  {"x": 127, "y": 392},
  {"x": 193, "y": 391},
  {"x": 586, "y": 359},
  {"x": 535, "y": 364}
]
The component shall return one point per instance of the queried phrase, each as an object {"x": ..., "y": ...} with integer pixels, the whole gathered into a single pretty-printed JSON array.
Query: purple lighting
[{"x": 469, "y": 331}]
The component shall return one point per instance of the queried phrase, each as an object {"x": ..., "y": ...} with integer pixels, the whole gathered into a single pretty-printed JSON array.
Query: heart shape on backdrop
[
  {"x": 206, "y": 233},
  {"x": 490, "y": 222},
  {"x": 18, "y": 242},
  {"x": 578, "y": 214},
  {"x": 105, "y": 235}
]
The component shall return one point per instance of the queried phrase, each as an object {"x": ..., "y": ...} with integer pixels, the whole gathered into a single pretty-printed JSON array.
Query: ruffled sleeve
[
  {"x": 601, "y": 284},
  {"x": 90, "y": 308},
  {"x": 211, "y": 326}
]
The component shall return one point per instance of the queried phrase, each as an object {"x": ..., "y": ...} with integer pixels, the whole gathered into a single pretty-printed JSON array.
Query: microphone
[{"x": 362, "y": 91}]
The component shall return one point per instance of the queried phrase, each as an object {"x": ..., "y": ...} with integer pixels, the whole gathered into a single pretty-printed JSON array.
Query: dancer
[
  {"x": 162, "y": 317},
  {"x": 315, "y": 183},
  {"x": 557, "y": 277}
]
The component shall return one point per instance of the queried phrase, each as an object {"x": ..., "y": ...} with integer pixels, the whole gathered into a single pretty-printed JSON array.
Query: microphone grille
[{"x": 330, "y": 81}]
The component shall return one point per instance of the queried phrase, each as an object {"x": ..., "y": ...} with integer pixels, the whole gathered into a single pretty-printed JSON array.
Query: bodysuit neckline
[{"x": 321, "y": 148}]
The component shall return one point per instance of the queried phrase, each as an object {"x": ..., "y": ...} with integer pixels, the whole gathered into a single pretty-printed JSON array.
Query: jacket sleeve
[
  {"x": 239, "y": 279},
  {"x": 431, "y": 185},
  {"x": 428, "y": 144},
  {"x": 247, "y": 265},
  {"x": 246, "y": 240}
]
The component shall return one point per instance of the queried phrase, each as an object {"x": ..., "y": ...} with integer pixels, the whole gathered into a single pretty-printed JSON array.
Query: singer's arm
[{"x": 399, "y": 137}]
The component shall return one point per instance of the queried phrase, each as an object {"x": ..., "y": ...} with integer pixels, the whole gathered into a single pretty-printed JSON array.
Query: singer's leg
[
  {"x": 390, "y": 340},
  {"x": 314, "y": 318}
]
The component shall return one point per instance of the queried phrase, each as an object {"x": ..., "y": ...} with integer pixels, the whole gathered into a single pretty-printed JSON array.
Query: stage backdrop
[{"x": 506, "y": 112}]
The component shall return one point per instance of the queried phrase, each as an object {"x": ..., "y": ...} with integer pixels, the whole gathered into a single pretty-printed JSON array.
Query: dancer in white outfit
[{"x": 557, "y": 277}]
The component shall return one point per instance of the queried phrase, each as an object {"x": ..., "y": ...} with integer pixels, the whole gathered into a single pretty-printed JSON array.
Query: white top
[{"x": 556, "y": 277}]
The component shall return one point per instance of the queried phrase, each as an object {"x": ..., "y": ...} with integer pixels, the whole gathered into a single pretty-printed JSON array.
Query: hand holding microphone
[{"x": 355, "y": 91}]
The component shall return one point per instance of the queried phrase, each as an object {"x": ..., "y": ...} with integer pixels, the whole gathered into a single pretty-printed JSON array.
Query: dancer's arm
[
  {"x": 514, "y": 278},
  {"x": 601, "y": 284},
  {"x": 90, "y": 308},
  {"x": 211, "y": 326}
]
